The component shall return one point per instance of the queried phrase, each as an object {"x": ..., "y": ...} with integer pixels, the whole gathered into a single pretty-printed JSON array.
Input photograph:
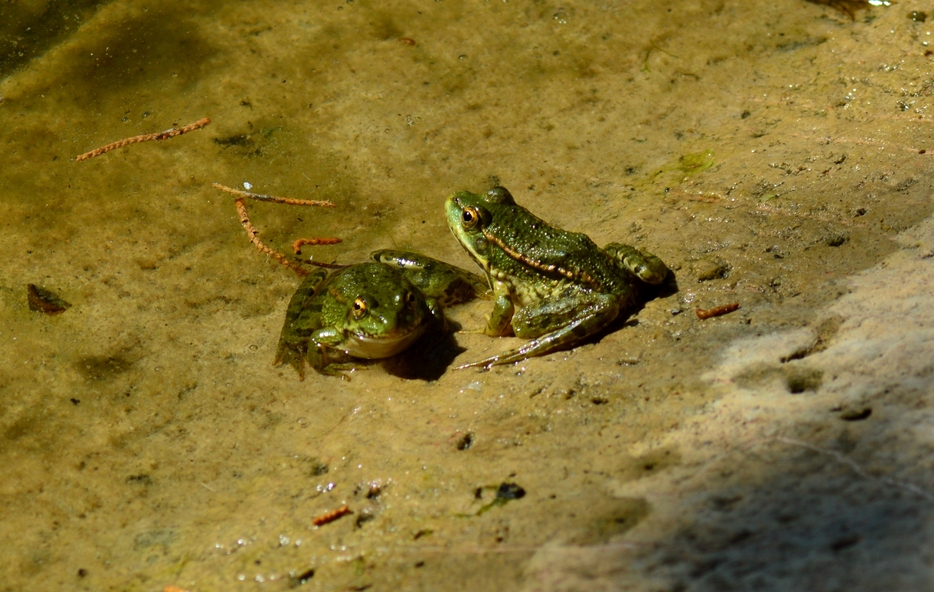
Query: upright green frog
[
  {"x": 369, "y": 310},
  {"x": 551, "y": 286}
]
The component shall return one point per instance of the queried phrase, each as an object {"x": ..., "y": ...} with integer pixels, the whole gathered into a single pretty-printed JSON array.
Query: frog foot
[
  {"x": 293, "y": 355},
  {"x": 576, "y": 319},
  {"x": 535, "y": 347},
  {"x": 341, "y": 370}
]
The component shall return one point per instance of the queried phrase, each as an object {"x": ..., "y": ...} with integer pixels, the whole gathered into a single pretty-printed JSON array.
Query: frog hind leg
[
  {"x": 446, "y": 283},
  {"x": 576, "y": 318},
  {"x": 299, "y": 324},
  {"x": 646, "y": 266},
  {"x": 293, "y": 354}
]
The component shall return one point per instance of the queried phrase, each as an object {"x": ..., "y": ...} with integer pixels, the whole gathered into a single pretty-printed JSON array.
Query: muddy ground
[{"x": 775, "y": 154}]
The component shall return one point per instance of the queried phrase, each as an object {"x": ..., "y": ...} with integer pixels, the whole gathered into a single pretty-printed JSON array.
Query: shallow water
[{"x": 773, "y": 154}]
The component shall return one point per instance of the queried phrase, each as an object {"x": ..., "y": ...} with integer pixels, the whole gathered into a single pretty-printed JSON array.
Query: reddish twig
[
  {"x": 332, "y": 515},
  {"x": 297, "y": 245},
  {"x": 717, "y": 311},
  {"x": 275, "y": 199},
  {"x": 254, "y": 238},
  {"x": 254, "y": 234},
  {"x": 169, "y": 133}
]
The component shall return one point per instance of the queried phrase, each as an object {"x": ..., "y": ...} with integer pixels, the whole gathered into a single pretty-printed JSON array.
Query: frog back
[{"x": 532, "y": 249}]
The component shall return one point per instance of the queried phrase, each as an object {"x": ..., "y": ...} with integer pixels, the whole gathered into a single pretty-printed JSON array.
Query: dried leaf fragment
[{"x": 46, "y": 301}]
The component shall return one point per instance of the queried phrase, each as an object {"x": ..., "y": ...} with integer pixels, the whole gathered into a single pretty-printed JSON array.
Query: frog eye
[
  {"x": 470, "y": 216},
  {"x": 410, "y": 298},
  {"x": 359, "y": 308}
]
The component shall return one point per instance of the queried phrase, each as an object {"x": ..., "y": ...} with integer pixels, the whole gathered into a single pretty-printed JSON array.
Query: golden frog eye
[
  {"x": 359, "y": 308},
  {"x": 470, "y": 216}
]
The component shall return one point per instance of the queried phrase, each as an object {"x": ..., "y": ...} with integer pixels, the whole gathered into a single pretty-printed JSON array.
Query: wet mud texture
[{"x": 774, "y": 154}]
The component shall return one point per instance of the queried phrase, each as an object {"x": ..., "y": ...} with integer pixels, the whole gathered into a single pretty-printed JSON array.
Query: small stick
[
  {"x": 332, "y": 515},
  {"x": 717, "y": 311},
  {"x": 275, "y": 199},
  {"x": 169, "y": 133},
  {"x": 327, "y": 265},
  {"x": 254, "y": 238},
  {"x": 297, "y": 245}
]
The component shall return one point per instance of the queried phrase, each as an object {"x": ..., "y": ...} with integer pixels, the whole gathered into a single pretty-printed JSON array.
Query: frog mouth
[{"x": 371, "y": 348}]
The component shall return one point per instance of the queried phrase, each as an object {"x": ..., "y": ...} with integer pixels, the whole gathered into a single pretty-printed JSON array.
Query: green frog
[
  {"x": 370, "y": 310},
  {"x": 550, "y": 286}
]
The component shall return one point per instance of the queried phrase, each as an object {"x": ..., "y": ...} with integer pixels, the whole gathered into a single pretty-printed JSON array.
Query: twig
[
  {"x": 275, "y": 199},
  {"x": 717, "y": 311},
  {"x": 332, "y": 515},
  {"x": 254, "y": 234},
  {"x": 169, "y": 133},
  {"x": 327, "y": 265},
  {"x": 254, "y": 238},
  {"x": 297, "y": 245}
]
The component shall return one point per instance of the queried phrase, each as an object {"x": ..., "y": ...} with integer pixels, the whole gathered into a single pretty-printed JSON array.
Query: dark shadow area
[
  {"x": 138, "y": 53},
  {"x": 646, "y": 295},
  {"x": 429, "y": 359},
  {"x": 814, "y": 524},
  {"x": 27, "y": 30}
]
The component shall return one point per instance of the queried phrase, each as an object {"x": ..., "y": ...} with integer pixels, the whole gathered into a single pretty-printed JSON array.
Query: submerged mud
[{"x": 774, "y": 155}]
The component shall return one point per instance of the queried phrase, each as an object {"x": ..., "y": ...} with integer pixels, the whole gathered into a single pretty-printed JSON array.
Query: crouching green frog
[
  {"x": 370, "y": 310},
  {"x": 550, "y": 286}
]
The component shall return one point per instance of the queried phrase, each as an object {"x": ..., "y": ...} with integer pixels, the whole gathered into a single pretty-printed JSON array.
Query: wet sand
[{"x": 775, "y": 155}]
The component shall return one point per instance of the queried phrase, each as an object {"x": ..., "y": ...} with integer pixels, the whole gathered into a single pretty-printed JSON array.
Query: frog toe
[{"x": 293, "y": 358}]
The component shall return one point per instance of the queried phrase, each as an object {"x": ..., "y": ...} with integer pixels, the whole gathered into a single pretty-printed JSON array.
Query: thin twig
[
  {"x": 254, "y": 238},
  {"x": 275, "y": 199},
  {"x": 717, "y": 311},
  {"x": 327, "y": 265},
  {"x": 297, "y": 245},
  {"x": 169, "y": 133},
  {"x": 254, "y": 234},
  {"x": 332, "y": 515}
]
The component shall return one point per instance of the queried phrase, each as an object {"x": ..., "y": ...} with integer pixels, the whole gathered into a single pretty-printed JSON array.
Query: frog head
[
  {"x": 372, "y": 312},
  {"x": 468, "y": 214}
]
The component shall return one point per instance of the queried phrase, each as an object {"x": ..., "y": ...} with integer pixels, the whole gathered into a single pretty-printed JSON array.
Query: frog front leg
[
  {"x": 325, "y": 356},
  {"x": 646, "y": 266},
  {"x": 555, "y": 325},
  {"x": 499, "y": 319}
]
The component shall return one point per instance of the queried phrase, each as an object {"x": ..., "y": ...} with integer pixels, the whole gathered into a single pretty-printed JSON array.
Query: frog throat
[{"x": 385, "y": 346}]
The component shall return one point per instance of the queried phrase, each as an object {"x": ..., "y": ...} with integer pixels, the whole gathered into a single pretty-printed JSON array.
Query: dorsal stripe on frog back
[{"x": 571, "y": 274}]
